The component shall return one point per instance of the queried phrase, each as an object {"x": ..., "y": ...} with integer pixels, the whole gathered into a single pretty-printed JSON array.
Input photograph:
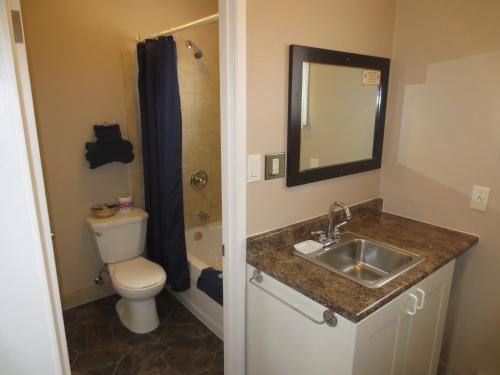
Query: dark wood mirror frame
[{"x": 301, "y": 54}]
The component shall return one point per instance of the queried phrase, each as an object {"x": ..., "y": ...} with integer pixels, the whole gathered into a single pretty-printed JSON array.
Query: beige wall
[
  {"x": 443, "y": 136},
  {"x": 360, "y": 26},
  {"x": 74, "y": 51}
]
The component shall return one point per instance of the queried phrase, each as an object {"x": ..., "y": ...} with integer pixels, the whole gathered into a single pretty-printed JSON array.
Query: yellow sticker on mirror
[{"x": 371, "y": 77}]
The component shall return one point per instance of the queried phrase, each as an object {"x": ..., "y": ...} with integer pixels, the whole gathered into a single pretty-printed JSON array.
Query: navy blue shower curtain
[{"x": 162, "y": 156}]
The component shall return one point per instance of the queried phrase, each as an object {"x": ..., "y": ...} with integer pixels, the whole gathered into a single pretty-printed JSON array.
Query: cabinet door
[
  {"x": 426, "y": 327},
  {"x": 280, "y": 341},
  {"x": 381, "y": 338}
]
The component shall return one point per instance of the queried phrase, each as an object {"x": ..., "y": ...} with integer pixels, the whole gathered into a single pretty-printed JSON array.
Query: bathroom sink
[{"x": 365, "y": 261}]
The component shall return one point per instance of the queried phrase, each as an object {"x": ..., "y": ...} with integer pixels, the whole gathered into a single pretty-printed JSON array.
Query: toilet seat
[{"x": 137, "y": 273}]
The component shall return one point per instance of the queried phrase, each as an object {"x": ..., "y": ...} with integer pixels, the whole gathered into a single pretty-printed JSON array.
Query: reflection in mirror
[{"x": 338, "y": 112}]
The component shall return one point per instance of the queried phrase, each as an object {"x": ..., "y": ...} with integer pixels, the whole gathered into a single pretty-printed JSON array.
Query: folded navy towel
[
  {"x": 210, "y": 282},
  {"x": 108, "y": 133},
  {"x": 99, "y": 153}
]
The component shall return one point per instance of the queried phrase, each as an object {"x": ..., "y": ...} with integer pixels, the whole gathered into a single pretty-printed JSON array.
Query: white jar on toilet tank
[{"x": 125, "y": 203}]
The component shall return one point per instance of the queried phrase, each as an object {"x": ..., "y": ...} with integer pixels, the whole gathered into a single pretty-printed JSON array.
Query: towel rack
[{"x": 329, "y": 317}]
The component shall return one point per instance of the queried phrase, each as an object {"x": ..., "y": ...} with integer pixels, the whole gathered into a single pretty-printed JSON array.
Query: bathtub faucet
[{"x": 202, "y": 216}]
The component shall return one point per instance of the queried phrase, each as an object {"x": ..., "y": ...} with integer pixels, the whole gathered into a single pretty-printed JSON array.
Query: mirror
[{"x": 336, "y": 113}]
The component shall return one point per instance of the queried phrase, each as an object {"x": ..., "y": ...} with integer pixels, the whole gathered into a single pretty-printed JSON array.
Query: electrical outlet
[
  {"x": 479, "y": 197},
  {"x": 274, "y": 165}
]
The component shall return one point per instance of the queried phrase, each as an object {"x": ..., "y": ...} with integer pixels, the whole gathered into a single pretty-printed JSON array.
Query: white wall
[{"x": 443, "y": 136}]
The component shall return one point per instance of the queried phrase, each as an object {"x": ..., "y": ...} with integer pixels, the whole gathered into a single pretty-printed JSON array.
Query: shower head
[{"x": 197, "y": 53}]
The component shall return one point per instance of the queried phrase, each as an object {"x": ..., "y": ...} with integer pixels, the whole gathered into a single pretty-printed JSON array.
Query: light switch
[
  {"x": 479, "y": 198},
  {"x": 253, "y": 168},
  {"x": 274, "y": 165},
  {"x": 313, "y": 162}
]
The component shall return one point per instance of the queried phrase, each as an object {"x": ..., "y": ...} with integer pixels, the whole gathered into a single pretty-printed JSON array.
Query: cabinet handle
[
  {"x": 420, "y": 306},
  {"x": 329, "y": 317},
  {"x": 415, "y": 303}
]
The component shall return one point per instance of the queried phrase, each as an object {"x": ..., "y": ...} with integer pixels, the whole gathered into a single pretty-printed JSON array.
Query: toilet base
[{"x": 138, "y": 316}]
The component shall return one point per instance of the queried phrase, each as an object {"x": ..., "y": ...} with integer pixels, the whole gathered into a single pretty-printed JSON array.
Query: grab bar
[{"x": 329, "y": 317}]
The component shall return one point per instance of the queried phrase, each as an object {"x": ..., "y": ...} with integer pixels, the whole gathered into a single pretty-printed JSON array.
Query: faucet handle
[{"x": 322, "y": 237}]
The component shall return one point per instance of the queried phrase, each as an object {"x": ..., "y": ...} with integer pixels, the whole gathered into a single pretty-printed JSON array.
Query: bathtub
[{"x": 203, "y": 250}]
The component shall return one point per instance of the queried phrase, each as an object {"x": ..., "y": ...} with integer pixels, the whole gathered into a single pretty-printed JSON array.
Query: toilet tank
[{"x": 120, "y": 237}]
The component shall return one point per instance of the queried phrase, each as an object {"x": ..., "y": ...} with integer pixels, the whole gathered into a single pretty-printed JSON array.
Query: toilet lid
[{"x": 137, "y": 273}]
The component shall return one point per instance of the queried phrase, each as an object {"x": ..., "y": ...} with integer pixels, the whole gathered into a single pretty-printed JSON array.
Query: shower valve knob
[{"x": 199, "y": 179}]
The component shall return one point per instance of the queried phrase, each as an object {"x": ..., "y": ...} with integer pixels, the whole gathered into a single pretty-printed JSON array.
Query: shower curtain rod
[{"x": 200, "y": 22}]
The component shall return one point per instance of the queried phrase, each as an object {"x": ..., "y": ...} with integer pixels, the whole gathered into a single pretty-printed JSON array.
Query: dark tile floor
[{"x": 99, "y": 344}]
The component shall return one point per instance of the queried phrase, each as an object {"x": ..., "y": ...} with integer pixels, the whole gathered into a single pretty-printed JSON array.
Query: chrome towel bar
[{"x": 329, "y": 317}]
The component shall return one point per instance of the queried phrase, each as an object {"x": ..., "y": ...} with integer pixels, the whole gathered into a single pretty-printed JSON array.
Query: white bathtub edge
[
  {"x": 194, "y": 293},
  {"x": 204, "y": 308}
]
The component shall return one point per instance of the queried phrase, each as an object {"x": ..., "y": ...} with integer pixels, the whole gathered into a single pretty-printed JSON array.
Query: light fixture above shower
[{"x": 197, "y": 53}]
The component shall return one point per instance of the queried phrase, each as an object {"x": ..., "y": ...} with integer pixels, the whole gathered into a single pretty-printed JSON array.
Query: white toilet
[{"x": 120, "y": 240}]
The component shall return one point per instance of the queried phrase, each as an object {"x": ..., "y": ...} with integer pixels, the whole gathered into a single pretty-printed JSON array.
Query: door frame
[
  {"x": 232, "y": 42},
  {"x": 41, "y": 284},
  {"x": 232, "y": 39}
]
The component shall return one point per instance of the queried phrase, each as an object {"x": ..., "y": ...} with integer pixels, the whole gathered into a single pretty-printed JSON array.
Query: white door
[
  {"x": 381, "y": 338},
  {"x": 32, "y": 339},
  {"x": 426, "y": 326},
  {"x": 233, "y": 142}
]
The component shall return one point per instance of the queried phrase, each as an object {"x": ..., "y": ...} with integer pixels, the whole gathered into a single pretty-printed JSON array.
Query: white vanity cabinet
[
  {"x": 426, "y": 327},
  {"x": 402, "y": 337}
]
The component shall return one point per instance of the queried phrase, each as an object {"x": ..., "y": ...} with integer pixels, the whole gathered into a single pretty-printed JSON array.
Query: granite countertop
[{"x": 272, "y": 253}]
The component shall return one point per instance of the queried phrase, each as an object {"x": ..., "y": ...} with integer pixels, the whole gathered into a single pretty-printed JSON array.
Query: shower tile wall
[{"x": 199, "y": 90}]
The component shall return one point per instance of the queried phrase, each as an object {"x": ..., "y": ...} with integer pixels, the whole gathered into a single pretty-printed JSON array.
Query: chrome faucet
[
  {"x": 333, "y": 236},
  {"x": 333, "y": 231}
]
